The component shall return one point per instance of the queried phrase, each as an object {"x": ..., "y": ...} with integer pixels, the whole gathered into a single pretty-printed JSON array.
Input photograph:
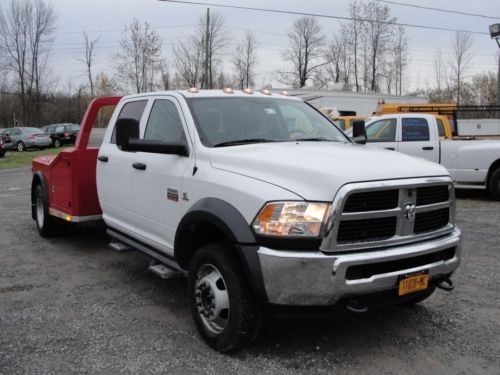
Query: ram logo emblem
[{"x": 410, "y": 211}]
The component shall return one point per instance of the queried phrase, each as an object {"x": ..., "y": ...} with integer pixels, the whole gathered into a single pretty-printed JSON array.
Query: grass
[{"x": 15, "y": 159}]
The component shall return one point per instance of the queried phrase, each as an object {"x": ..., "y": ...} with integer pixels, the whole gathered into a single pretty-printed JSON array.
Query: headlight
[{"x": 292, "y": 219}]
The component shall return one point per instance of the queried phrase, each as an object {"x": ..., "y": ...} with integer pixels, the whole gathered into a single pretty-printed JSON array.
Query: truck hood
[{"x": 316, "y": 170}]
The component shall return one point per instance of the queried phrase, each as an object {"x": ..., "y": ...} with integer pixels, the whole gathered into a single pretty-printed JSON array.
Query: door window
[
  {"x": 415, "y": 130},
  {"x": 382, "y": 130},
  {"x": 132, "y": 110},
  {"x": 60, "y": 129},
  {"x": 164, "y": 123},
  {"x": 440, "y": 126}
]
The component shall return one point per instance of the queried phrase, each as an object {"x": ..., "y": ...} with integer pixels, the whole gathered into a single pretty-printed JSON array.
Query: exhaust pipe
[{"x": 355, "y": 306}]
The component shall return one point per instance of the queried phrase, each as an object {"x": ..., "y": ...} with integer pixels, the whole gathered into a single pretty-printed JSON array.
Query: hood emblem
[{"x": 410, "y": 211}]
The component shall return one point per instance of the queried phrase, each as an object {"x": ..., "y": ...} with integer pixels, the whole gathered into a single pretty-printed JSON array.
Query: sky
[{"x": 106, "y": 19}]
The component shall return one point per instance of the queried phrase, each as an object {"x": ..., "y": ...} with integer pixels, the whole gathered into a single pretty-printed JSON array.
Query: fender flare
[
  {"x": 39, "y": 178},
  {"x": 225, "y": 217}
]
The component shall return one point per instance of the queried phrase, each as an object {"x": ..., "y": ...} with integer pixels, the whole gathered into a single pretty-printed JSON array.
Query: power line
[
  {"x": 438, "y": 9},
  {"x": 322, "y": 16}
]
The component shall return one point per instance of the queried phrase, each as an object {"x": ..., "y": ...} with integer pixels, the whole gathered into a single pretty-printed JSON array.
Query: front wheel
[
  {"x": 57, "y": 143},
  {"x": 224, "y": 309},
  {"x": 47, "y": 225},
  {"x": 20, "y": 146},
  {"x": 494, "y": 184}
]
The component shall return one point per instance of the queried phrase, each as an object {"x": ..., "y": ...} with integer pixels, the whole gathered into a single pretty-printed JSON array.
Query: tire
[
  {"x": 421, "y": 297},
  {"x": 57, "y": 143},
  {"x": 216, "y": 280},
  {"x": 47, "y": 225},
  {"x": 20, "y": 146},
  {"x": 494, "y": 184}
]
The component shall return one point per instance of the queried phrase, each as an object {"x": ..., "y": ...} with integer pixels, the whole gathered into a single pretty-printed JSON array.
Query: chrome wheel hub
[
  {"x": 39, "y": 210},
  {"x": 212, "y": 299}
]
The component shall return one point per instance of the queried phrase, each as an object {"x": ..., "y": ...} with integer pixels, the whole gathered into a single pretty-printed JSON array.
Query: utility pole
[
  {"x": 207, "y": 37},
  {"x": 495, "y": 34}
]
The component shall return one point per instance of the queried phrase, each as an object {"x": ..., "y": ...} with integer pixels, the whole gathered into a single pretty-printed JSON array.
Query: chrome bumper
[{"x": 311, "y": 278}]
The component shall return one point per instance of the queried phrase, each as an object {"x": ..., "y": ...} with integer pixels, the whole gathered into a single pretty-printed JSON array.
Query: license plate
[{"x": 413, "y": 282}]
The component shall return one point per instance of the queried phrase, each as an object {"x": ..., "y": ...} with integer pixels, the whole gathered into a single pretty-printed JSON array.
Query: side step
[
  {"x": 163, "y": 271},
  {"x": 119, "y": 246}
]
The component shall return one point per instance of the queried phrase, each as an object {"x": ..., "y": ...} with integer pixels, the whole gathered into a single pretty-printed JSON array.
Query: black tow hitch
[{"x": 444, "y": 283}]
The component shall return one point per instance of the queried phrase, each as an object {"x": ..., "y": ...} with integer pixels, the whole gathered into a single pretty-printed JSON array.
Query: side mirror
[
  {"x": 359, "y": 132},
  {"x": 125, "y": 129}
]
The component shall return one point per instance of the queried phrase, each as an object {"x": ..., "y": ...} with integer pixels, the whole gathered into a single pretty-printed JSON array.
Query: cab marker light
[
  {"x": 68, "y": 218},
  {"x": 285, "y": 93},
  {"x": 266, "y": 92},
  {"x": 248, "y": 90},
  {"x": 193, "y": 90},
  {"x": 228, "y": 90}
]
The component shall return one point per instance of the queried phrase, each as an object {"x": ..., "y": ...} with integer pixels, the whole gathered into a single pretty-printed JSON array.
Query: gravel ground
[{"x": 71, "y": 305}]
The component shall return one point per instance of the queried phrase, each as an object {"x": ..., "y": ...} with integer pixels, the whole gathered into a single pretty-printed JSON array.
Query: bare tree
[
  {"x": 306, "y": 52},
  {"x": 354, "y": 32},
  {"x": 188, "y": 60},
  {"x": 244, "y": 60},
  {"x": 88, "y": 59},
  {"x": 438, "y": 70},
  {"x": 400, "y": 57},
  {"x": 26, "y": 35},
  {"x": 140, "y": 57},
  {"x": 461, "y": 59},
  {"x": 379, "y": 34}
]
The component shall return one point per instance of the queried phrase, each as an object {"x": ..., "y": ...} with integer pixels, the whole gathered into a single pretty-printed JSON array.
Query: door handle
[
  {"x": 103, "y": 158},
  {"x": 139, "y": 166},
  {"x": 428, "y": 148},
  {"x": 390, "y": 148}
]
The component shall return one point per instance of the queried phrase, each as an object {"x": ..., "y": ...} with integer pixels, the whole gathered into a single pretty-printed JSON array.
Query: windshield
[{"x": 232, "y": 121}]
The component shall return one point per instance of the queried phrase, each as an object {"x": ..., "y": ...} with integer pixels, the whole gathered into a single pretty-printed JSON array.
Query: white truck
[
  {"x": 265, "y": 207},
  {"x": 472, "y": 163}
]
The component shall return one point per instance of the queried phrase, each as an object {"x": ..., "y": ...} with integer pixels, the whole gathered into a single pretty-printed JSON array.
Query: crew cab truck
[
  {"x": 261, "y": 202},
  {"x": 472, "y": 163}
]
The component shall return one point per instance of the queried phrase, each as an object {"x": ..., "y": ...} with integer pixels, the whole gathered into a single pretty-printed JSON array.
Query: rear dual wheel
[
  {"x": 46, "y": 224},
  {"x": 224, "y": 309}
]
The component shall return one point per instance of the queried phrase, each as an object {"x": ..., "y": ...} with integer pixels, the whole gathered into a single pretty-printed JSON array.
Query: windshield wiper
[
  {"x": 315, "y": 139},
  {"x": 244, "y": 141}
]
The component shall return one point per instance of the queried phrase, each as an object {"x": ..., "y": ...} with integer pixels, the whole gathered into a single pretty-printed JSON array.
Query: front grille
[
  {"x": 371, "y": 215},
  {"x": 431, "y": 220},
  {"x": 432, "y": 194},
  {"x": 372, "y": 201},
  {"x": 367, "y": 229},
  {"x": 364, "y": 271}
]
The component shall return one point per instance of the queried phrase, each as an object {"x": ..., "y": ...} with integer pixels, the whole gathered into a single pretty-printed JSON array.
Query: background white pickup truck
[{"x": 472, "y": 163}]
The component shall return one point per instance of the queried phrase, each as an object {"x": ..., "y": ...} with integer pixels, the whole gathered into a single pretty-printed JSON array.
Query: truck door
[
  {"x": 114, "y": 174},
  {"x": 157, "y": 182},
  {"x": 383, "y": 133},
  {"x": 419, "y": 139}
]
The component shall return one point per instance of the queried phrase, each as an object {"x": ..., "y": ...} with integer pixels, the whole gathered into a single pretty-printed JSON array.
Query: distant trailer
[{"x": 363, "y": 104}]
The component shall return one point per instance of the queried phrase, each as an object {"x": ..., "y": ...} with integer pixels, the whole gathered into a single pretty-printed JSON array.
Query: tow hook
[
  {"x": 445, "y": 283},
  {"x": 356, "y": 306}
]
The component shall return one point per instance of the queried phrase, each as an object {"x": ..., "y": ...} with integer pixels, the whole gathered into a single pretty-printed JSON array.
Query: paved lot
[{"x": 71, "y": 305}]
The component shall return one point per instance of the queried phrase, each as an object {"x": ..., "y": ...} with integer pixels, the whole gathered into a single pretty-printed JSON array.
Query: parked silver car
[{"x": 23, "y": 138}]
